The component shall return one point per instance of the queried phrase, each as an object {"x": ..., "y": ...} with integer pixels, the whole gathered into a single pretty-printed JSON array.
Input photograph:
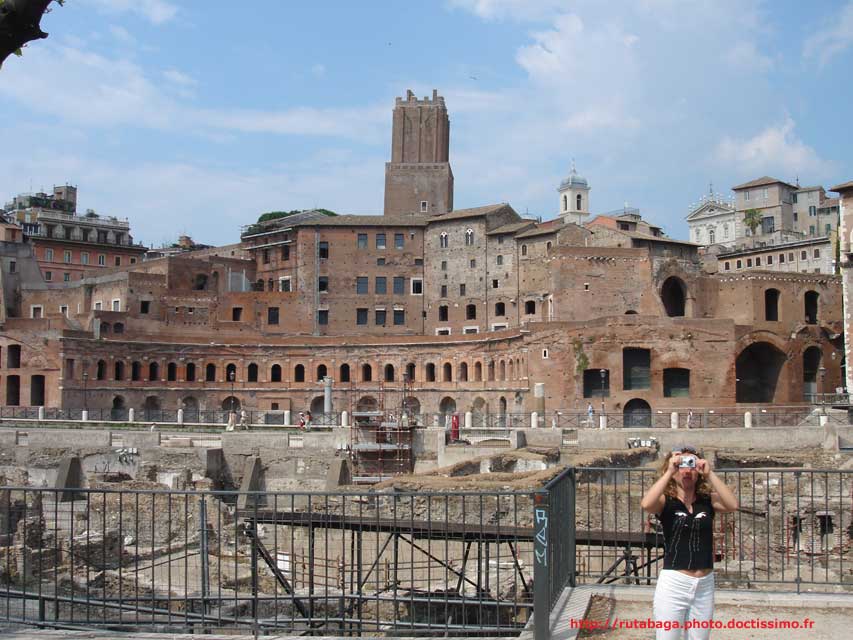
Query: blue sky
[{"x": 195, "y": 117}]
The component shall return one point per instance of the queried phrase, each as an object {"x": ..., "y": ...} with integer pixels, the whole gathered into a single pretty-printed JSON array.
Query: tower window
[
  {"x": 580, "y": 202},
  {"x": 424, "y": 206}
]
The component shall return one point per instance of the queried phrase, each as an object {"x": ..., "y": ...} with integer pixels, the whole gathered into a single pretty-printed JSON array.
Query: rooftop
[{"x": 764, "y": 180}]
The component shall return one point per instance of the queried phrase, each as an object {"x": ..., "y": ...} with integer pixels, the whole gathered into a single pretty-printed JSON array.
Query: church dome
[{"x": 574, "y": 180}]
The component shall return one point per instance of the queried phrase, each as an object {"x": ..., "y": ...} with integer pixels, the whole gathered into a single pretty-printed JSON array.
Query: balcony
[{"x": 88, "y": 220}]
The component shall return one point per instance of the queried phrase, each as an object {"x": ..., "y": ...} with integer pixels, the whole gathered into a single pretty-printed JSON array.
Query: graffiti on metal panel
[{"x": 541, "y": 549}]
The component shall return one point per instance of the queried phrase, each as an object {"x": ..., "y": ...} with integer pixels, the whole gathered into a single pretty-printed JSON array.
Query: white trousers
[{"x": 683, "y": 599}]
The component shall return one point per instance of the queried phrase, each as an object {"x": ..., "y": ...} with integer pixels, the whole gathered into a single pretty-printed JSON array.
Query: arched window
[
  {"x": 711, "y": 235},
  {"x": 478, "y": 371},
  {"x": 524, "y": 249},
  {"x": 299, "y": 373},
  {"x": 153, "y": 371},
  {"x": 565, "y": 203},
  {"x": 500, "y": 309},
  {"x": 463, "y": 372},
  {"x": 442, "y": 240},
  {"x": 252, "y": 372},
  {"x": 366, "y": 373},
  {"x": 448, "y": 372},
  {"x": 135, "y": 371},
  {"x": 499, "y": 260},
  {"x": 389, "y": 373},
  {"x": 410, "y": 372},
  {"x": 118, "y": 371},
  {"x": 725, "y": 231},
  {"x": 231, "y": 372},
  {"x": 210, "y": 372},
  {"x": 322, "y": 372},
  {"x": 344, "y": 373},
  {"x": 275, "y": 373},
  {"x": 101, "y": 370},
  {"x": 118, "y": 327},
  {"x": 190, "y": 372},
  {"x": 430, "y": 372},
  {"x": 491, "y": 371},
  {"x": 469, "y": 237},
  {"x": 171, "y": 372},
  {"x": 502, "y": 370},
  {"x": 471, "y": 312},
  {"x": 580, "y": 202},
  {"x": 530, "y": 307}
]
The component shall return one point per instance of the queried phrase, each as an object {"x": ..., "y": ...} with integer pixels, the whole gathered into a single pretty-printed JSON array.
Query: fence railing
[
  {"x": 297, "y": 563},
  {"x": 363, "y": 562}
]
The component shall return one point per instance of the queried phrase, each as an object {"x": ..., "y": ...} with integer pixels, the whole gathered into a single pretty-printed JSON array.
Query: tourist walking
[{"x": 685, "y": 498}]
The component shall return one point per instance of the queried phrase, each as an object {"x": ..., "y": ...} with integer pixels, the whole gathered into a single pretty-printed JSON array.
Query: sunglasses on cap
[{"x": 686, "y": 449}]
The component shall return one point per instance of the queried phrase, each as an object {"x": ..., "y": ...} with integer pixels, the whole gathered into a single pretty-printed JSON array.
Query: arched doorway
[
  {"x": 190, "y": 407},
  {"x": 365, "y": 404},
  {"x": 447, "y": 405},
  {"x": 316, "y": 406},
  {"x": 673, "y": 294},
  {"x": 811, "y": 366},
  {"x": 412, "y": 406},
  {"x": 118, "y": 410},
  {"x": 757, "y": 370},
  {"x": 637, "y": 413},
  {"x": 231, "y": 403},
  {"x": 151, "y": 408}
]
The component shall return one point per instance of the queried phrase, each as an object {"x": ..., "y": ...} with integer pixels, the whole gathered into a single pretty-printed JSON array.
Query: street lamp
[
  {"x": 602, "y": 373},
  {"x": 231, "y": 379},
  {"x": 85, "y": 384}
]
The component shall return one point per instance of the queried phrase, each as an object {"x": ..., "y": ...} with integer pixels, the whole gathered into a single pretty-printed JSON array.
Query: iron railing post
[{"x": 541, "y": 566}]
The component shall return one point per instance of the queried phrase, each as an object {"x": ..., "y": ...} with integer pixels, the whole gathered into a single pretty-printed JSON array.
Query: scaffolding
[{"x": 381, "y": 433}]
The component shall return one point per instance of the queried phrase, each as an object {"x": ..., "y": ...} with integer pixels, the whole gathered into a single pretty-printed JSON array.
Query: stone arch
[
  {"x": 317, "y": 405},
  {"x": 637, "y": 413},
  {"x": 151, "y": 408},
  {"x": 758, "y": 369},
  {"x": 447, "y": 372},
  {"x": 412, "y": 405},
  {"x": 812, "y": 357},
  {"x": 118, "y": 409},
  {"x": 190, "y": 407},
  {"x": 447, "y": 405},
  {"x": 673, "y": 294},
  {"x": 479, "y": 405},
  {"x": 231, "y": 403}
]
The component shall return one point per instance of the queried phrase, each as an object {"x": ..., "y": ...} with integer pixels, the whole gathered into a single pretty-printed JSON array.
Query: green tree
[
  {"x": 20, "y": 23},
  {"x": 752, "y": 219}
]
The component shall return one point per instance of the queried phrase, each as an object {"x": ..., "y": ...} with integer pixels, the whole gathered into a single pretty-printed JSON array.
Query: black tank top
[{"x": 688, "y": 537}]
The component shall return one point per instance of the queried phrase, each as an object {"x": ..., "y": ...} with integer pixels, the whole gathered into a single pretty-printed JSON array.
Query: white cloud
[
  {"x": 318, "y": 70},
  {"x": 776, "y": 149},
  {"x": 121, "y": 34},
  {"x": 102, "y": 92},
  {"x": 155, "y": 11},
  {"x": 833, "y": 39}
]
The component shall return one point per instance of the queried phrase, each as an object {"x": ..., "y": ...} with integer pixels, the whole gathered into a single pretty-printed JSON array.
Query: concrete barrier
[{"x": 140, "y": 439}]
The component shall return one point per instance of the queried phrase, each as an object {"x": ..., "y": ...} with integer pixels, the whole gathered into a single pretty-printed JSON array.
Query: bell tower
[
  {"x": 419, "y": 179},
  {"x": 574, "y": 197}
]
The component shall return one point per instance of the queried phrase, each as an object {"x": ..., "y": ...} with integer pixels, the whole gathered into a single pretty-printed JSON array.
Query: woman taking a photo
[{"x": 685, "y": 497}]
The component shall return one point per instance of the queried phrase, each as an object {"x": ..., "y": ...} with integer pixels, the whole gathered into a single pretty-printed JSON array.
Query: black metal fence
[{"x": 319, "y": 563}]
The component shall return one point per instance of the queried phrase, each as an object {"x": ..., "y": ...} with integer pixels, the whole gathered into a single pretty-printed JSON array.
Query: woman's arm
[
  {"x": 654, "y": 499},
  {"x": 722, "y": 498}
]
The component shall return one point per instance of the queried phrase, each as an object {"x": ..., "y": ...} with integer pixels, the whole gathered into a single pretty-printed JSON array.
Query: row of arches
[{"x": 503, "y": 369}]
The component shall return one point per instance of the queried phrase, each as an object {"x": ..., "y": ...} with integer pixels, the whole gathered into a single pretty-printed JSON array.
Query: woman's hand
[
  {"x": 703, "y": 467},
  {"x": 674, "y": 461}
]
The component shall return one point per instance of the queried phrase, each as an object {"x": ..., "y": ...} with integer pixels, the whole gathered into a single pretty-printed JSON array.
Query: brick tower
[{"x": 419, "y": 179}]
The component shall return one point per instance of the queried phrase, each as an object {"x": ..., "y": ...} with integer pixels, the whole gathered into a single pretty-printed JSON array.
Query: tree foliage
[
  {"x": 275, "y": 215},
  {"x": 20, "y": 23},
  {"x": 752, "y": 219}
]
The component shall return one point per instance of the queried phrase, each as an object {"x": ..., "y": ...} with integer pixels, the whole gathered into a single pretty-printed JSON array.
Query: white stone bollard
[
  {"x": 41, "y": 413},
  {"x": 344, "y": 419},
  {"x": 822, "y": 420},
  {"x": 602, "y": 422},
  {"x": 673, "y": 420},
  {"x": 469, "y": 420},
  {"x": 534, "y": 420},
  {"x": 130, "y": 414},
  {"x": 747, "y": 420},
  {"x": 287, "y": 417},
  {"x": 85, "y": 416},
  {"x": 180, "y": 416}
]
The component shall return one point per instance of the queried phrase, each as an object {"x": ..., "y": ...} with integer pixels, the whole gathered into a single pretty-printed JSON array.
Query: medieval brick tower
[{"x": 419, "y": 179}]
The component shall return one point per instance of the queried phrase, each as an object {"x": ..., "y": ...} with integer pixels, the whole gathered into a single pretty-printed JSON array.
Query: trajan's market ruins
[{"x": 382, "y": 424}]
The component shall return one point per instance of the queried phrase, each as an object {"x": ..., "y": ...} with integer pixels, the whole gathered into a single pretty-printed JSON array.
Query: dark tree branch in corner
[{"x": 19, "y": 24}]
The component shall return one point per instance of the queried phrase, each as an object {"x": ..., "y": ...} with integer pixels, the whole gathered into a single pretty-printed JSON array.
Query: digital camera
[{"x": 687, "y": 462}]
